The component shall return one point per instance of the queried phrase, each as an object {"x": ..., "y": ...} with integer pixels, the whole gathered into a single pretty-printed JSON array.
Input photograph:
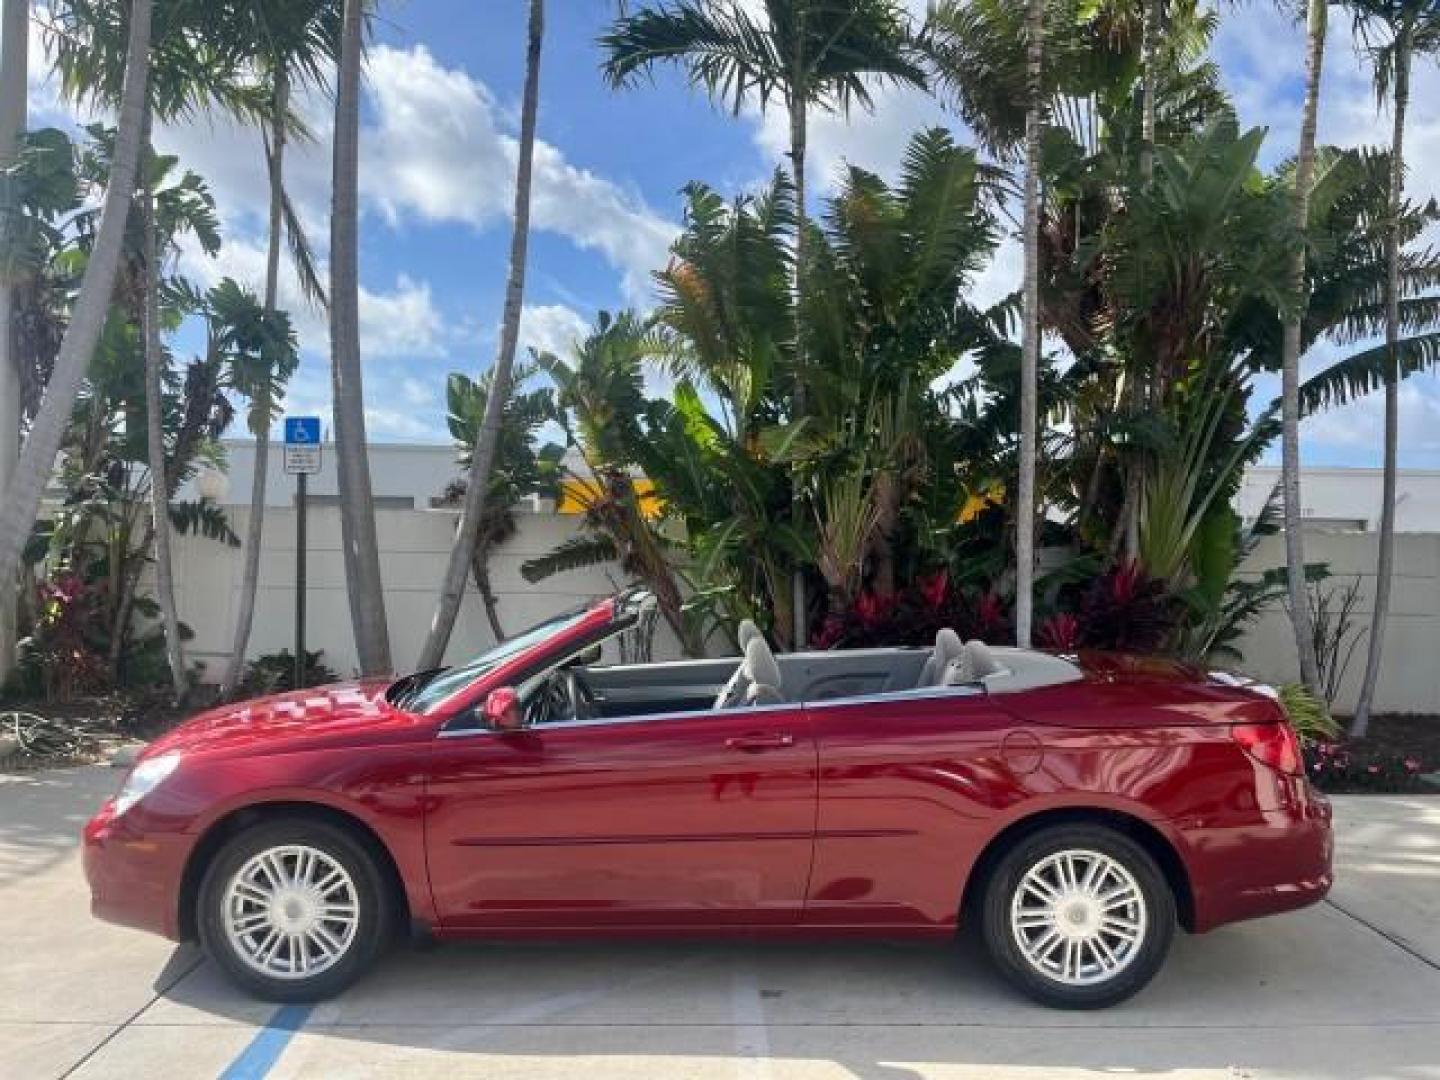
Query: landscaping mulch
[
  {"x": 43, "y": 735},
  {"x": 1399, "y": 755}
]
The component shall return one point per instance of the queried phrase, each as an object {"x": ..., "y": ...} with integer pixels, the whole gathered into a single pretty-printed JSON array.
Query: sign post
[{"x": 302, "y": 458}]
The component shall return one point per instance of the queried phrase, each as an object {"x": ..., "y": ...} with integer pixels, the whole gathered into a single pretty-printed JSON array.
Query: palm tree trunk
[
  {"x": 155, "y": 434},
  {"x": 452, "y": 589},
  {"x": 357, "y": 501},
  {"x": 14, "y": 67},
  {"x": 1290, "y": 362},
  {"x": 1386, "y": 562},
  {"x": 37, "y": 458},
  {"x": 799, "y": 607},
  {"x": 481, "y": 569},
  {"x": 127, "y": 565},
  {"x": 1150, "y": 49},
  {"x": 255, "y": 526},
  {"x": 1030, "y": 335}
]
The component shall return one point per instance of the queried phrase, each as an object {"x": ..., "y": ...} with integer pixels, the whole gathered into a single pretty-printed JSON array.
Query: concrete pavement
[{"x": 1350, "y": 989}]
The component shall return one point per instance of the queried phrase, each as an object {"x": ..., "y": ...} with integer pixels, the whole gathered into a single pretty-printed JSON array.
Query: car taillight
[{"x": 1271, "y": 744}]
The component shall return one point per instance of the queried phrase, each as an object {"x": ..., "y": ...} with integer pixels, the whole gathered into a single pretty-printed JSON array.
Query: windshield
[{"x": 422, "y": 692}]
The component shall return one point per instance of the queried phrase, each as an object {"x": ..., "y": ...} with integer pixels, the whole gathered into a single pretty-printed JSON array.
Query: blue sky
[{"x": 438, "y": 144}]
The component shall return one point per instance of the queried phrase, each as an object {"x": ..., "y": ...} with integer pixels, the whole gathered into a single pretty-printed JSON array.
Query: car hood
[{"x": 322, "y": 715}]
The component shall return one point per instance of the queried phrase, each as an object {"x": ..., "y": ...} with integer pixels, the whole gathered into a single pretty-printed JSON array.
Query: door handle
[{"x": 759, "y": 740}]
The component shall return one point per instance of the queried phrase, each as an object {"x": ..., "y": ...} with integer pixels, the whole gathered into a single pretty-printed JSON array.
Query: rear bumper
[
  {"x": 134, "y": 878},
  {"x": 1280, "y": 861}
]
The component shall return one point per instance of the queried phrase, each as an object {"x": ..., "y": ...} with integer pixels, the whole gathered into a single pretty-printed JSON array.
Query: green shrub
[
  {"x": 1308, "y": 714},
  {"x": 274, "y": 673}
]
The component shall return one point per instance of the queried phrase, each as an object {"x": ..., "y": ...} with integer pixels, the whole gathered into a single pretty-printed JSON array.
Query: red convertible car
[{"x": 1076, "y": 808}]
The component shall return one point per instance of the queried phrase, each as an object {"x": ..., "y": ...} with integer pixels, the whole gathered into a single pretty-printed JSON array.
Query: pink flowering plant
[{"x": 1340, "y": 768}]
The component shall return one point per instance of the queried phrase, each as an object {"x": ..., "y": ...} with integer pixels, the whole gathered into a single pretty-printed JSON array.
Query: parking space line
[
  {"x": 264, "y": 1050},
  {"x": 1399, "y": 942},
  {"x": 108, "y": 1039}
]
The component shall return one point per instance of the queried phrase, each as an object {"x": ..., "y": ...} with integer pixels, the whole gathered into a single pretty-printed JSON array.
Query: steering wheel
[
  {"x": 563, "y": 697},
  {"x": 550, "y": 705},
  {"x": 582, "y": 701}
]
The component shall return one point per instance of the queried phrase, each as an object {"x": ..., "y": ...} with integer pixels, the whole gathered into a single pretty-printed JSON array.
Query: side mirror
[{"x": 502, "y": 709}]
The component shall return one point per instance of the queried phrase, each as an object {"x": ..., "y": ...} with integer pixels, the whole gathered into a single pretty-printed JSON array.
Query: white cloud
[
  {"x": 1262, "y": 54},
  {"x": 399, "y": 322},
  {"x": 416, "y": 392},
  {"x": 870, "y": 139},
  {"x": 1360, "y": 426},
  {"x": 552, "y": 328},
  {"x": 1001, "y": 276},
  {"x": 440, "y": 149},
  {"x": 436, "y": 146},
  {"x": 874, "y": 141},
  {"x": 402, "y": 425}
]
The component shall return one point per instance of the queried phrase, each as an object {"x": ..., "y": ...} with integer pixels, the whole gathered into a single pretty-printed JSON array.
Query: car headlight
[{"x": 143, "y": 779}]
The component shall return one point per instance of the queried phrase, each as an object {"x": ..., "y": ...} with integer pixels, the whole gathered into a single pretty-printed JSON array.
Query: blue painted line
[{"x": 258, "y": 1058}]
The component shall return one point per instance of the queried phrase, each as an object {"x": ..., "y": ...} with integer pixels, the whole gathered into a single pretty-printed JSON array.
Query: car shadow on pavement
[{"x": 1242, "y": 996}]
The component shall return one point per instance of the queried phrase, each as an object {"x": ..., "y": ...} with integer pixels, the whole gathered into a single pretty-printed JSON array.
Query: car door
[
  {"x": 908, "y": 785},
  {"x": 675, "y": 820}
]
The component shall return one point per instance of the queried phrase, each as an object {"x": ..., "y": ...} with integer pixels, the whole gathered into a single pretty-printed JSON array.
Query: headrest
[
  {"x": 760, "y": 665},
  {"x": 745, "y": 632},
  {"x": 982, "y": 661},
  {"x": 947, "y": 644}
]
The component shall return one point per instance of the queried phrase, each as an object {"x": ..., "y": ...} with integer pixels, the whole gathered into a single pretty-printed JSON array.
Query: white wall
[
  {"x": 1350, "y": 496},
  {"x": 414, "y": 546},
  {"x": 1410, "y": 668},
  {"x": 397, "y": 470}
]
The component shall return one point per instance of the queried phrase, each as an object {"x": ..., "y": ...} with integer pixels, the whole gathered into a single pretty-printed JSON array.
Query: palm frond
[
  {"x": 1364, "y": 372},
  {"x": 576, "y": 553}
]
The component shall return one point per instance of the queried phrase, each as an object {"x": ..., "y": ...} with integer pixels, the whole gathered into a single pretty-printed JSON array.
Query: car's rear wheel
[
  {"x": 294, "y": 910},
  {"x": 1078, "y": 916}
]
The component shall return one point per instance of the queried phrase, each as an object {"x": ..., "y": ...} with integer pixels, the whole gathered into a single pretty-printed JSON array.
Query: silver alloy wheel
[
  {"x": 291, "y": 912},
  {"x": 1078, "y": 917}
]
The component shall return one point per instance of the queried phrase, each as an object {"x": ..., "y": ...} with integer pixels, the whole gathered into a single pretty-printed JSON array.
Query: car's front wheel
[
  {"x": 294, "y": 910},
  {"x": 1078, "y": 916}
]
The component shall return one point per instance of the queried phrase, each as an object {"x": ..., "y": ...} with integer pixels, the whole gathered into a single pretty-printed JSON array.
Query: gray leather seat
[
  {"x": 756, "y": 680},
  {"x": 947, "y": 648},
  {"x": 746, "y": 632},
  {"x": 982, "y": 660},
  {"x": 974, "y": 664}
]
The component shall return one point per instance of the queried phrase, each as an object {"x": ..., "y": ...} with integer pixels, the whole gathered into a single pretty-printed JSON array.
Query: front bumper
[
  {"x": 134, "y": 875},
  {"x": 1280, "y": 861}
]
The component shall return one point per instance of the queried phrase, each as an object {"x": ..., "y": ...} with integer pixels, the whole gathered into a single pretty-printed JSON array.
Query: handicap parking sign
[
  {"x": 302, "y": 430},
  {"x": 302, "y": 444}
]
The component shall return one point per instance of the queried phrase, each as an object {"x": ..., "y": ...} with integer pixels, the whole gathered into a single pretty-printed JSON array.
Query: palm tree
[
  {"x": 601, "y": 403},
  {"x": 462, "y": 554},
  {"x": 14, "y": 66},
  {"x": 521, "y": 467},
  {"x": 187, "y": 72},
  {"x": 37, "y": 457},
  {"x": 805, "y": 53},
  {"x": 296, "y": 41},
  {"x": 1030, "y": 335},
  {"x": 1393, "y": 31},
  {"x": 357, "y": 502},
  {"x": 155, "y": 364},
  {"x": 1290, "y": 357}
]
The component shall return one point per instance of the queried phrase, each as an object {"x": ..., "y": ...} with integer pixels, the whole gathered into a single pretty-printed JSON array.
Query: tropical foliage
[
  {"x": 818, "y": 424},
  {"x": 1164, "y": 290}
]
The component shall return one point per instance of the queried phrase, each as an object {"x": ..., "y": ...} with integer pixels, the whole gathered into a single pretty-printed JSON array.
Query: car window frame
[{"x": 922, "y": 693}]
